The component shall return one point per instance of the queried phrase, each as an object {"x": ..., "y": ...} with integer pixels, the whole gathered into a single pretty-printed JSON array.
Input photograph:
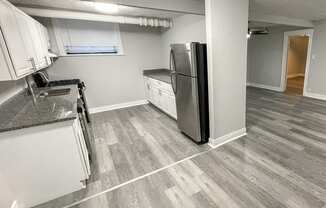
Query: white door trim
[{"x": 309, "y": 33}]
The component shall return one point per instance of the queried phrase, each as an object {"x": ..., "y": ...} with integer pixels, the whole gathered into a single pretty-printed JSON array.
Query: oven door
[{"x": 85, "y": 128}]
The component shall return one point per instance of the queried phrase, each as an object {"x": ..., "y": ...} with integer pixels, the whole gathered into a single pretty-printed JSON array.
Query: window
[{"x": 77, "y": 37}]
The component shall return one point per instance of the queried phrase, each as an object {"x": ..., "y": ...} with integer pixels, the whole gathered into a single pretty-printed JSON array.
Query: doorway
[
  {"x": 296, "y": 61},
  {"x": 296, "y": 64}
]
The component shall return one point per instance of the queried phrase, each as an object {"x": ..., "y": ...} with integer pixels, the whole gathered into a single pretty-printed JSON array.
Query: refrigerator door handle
[
  {"x": 173, "y": 81},
  {"x": 173, "y": 72},
  {"x": 172, "y": 60}
]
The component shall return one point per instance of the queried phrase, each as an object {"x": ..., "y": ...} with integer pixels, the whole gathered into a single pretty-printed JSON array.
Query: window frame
[{"x": 58, "y": 31}]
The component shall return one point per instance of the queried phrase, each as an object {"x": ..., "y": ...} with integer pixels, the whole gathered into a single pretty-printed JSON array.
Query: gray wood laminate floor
[
  {"x": 280, "y": 163},
  {"x": 130, "y": 143}
]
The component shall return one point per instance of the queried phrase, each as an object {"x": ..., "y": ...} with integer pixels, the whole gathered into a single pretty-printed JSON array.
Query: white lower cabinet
[
  {"x": 161, "y": 95},
  {"x": 44, "y": 162}
]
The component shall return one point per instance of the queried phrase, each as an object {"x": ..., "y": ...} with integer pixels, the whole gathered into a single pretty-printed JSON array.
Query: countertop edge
[
  {"x": 162, "y": 75},
  {"x": 36, "y": 125}
]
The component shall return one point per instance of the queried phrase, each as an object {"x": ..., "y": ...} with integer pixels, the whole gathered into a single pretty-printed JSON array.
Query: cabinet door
[
  {"x": 152, "y": 92},
  {"x": 172, "y": 107},
  {"x": 17, "y": 43},
  {"x": 157, "y": 97},
  {"x": 35, "y": 30},
  {"x": 83, "y": 149},
  {"x": 5, "y": 63},
  {"x": 147, "y": 88},
  {"x": 168, "y": 104},
  {"x": 46, "y": 44}
]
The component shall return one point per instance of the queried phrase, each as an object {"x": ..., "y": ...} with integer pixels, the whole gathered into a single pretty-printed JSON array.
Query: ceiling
[
  {"x": 312, "y": 10},
  {"x": 253, "y": 24},
  {"x": 85, "y": 6}
]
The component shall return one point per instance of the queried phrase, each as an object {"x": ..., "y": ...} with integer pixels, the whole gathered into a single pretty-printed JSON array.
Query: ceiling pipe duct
[
  {"x": 257, "y": 31},
  {"x": 63, "y": 14}
]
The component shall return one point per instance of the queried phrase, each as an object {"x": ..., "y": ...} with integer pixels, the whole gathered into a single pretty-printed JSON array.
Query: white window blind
[{"x": 89, "y": 37}]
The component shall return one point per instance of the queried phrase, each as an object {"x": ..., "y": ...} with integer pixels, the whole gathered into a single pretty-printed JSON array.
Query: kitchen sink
[{"x": 55, "y": 92}]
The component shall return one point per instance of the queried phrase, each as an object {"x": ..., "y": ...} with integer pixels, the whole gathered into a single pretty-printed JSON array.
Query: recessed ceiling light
[{"x": 104, "y": 7}]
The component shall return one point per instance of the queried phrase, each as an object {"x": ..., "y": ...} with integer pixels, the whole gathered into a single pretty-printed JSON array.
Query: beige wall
[{"x": 297, "y": 55}]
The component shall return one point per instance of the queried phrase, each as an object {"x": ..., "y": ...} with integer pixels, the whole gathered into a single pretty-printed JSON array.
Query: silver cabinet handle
[
  {"x": 32, "y": 60},
  {"x": 46, "y": 60}
]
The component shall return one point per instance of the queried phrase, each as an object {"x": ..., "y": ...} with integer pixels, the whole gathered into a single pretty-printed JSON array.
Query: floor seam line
[{"x": 138, "y": 178}]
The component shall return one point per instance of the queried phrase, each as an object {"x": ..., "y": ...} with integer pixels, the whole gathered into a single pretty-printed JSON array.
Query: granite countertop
[
  {"x": 159, "y": 74},
  {"x": 21, "y": 111}
]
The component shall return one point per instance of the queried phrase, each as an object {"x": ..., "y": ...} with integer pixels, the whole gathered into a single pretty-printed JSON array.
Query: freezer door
[
  {"x": 188, "y": 107},
  {"x": 184, "y": 59}
]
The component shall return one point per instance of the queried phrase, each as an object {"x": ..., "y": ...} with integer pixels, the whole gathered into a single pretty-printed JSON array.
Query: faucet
[{"x": 30, "y": 88}]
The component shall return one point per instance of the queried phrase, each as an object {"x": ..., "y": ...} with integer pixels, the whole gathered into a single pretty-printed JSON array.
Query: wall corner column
[{"x": 227, "y": 26}]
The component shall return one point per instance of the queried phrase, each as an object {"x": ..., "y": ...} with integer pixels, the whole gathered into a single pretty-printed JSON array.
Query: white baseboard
[
  {"x": 314, "y": 95},
  {"x": 214, "y": 143},
  {"x": 117, "y": 106},
  {"x": 268, "y": 87},
  {"x": 295, "y": 75}
]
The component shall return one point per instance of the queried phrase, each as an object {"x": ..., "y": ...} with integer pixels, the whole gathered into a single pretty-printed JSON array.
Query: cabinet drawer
[
  {"x": 161, "y": 85},
  {"x": 154, "y": 82},
  {"x": 167, "y": 88}
]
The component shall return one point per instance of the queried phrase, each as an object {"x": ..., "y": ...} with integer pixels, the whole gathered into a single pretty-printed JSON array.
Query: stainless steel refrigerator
[{"x": 188, "y": 63}]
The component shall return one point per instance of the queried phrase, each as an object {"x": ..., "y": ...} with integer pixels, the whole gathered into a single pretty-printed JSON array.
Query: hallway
[{"x": 295, "y": 86}]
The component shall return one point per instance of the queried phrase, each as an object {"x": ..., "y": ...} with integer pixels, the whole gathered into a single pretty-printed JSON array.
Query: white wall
[
  {"x": 10, "y": 88},
  {"x": 316, "y": 82},
  {"x": 186, "y": 28},
  {"x": 115, "y": 79},
  {"x": 265, "y": 53},
  {"x": 227, "y": 26}
]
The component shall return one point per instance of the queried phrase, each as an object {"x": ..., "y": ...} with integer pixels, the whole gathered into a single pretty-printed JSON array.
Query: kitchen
[
  {"x": 134, "y": 103},
  {"x": 55, "y": 97}
]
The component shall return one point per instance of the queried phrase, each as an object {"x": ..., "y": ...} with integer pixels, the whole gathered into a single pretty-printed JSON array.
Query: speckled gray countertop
[
  {"x": 159, "y": 74},
  {"x": 20, "y": 111}
]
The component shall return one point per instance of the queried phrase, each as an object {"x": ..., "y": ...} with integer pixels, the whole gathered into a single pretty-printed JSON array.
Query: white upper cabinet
[
  {"x": 45, "y": 43},
  {"x": 37, "y": 39},
  {"x": 15, "y": 42},
  {"x": 23, "y": 41}
]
